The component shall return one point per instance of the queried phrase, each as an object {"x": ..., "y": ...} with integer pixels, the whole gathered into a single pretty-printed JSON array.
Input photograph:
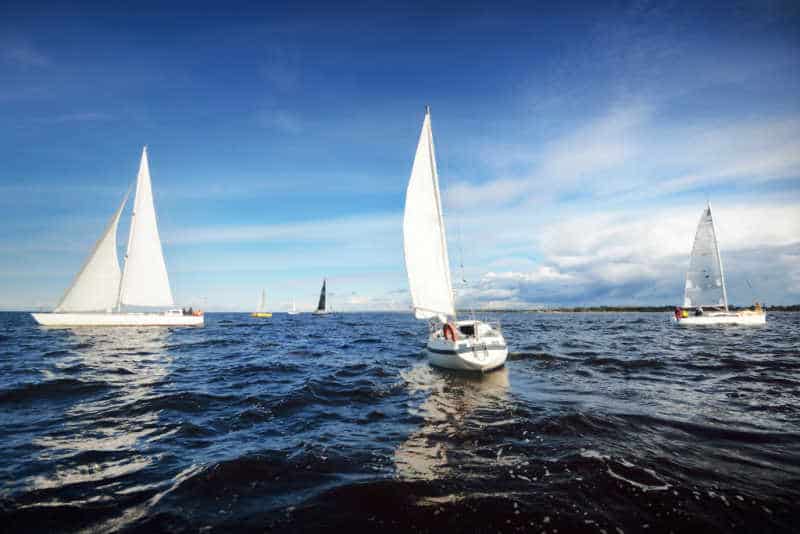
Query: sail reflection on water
[
  {"x": 94, "y": 441},
  {"x": 457, "y": 406}
]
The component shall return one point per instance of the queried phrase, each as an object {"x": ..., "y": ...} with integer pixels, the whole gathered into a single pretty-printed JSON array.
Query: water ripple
[{"x": 598, "y": 422}]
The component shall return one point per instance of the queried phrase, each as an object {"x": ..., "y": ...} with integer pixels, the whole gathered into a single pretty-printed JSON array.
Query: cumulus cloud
[{"x": 636, "y": 256}]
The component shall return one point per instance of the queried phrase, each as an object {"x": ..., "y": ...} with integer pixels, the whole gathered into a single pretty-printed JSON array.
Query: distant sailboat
[
  {"x": 293, "y": 309},
  {"x": 261, "y": 311},
  {"x": 322, "y": 305},
  {"x": 99, "y": 292},
  {"x": 705, "y": 300},
  {"x": 465, "y": 345}
]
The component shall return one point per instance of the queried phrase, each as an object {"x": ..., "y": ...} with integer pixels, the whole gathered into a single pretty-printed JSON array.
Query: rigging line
[{"x": 459, "y": 241}]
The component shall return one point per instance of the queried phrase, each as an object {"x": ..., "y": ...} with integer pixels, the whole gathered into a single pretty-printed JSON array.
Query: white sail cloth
[
  {"x": 705, "y": 280},
  {"x": 144, "y": 280},
  {"x": 424, "y": 240},
  {"x": 96, "y": 286},
  {"x": 262, "y": 302}
]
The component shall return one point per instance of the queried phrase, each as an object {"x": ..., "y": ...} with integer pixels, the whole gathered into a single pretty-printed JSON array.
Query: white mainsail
[
  {"x": 424, "y": 240},
  {"x": 96, "y": 286},
  {"x": 705, "y": 279},
  {"x": 144, "y": 280},
  {"x": 262, "y": 303}
]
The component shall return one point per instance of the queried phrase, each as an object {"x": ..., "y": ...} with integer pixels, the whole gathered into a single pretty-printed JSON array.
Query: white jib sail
[
  {"x": 705, "y": 280},
  {"x": 424, "y": 240},
  {"x": 96, "y": 286},
  {"x": 144, "y": 280}
]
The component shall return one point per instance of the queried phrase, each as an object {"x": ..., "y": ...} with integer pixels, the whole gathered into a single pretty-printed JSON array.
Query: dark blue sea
[{"x": 608, "y": 423}]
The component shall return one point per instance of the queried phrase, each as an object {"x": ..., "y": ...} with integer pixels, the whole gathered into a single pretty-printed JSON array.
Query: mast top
[{"x": 427, "y": 109}]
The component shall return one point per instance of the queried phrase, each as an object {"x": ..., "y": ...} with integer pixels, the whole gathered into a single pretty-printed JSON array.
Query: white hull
[
  {"x": 468, "y": 353},
  {"x": 318, "y": 312},
  {"x": 746, "y": 318},
  {"x": 117, "y": 319}
]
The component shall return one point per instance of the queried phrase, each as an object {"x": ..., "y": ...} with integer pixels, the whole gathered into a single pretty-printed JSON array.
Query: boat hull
[
  {"x": 65, "y": 320},
  {"x": 746, "y": 318},
  {"x": 467, "y": 353},
  {"x": 488, "y": 360},
  {"x": 261, "y": 315}
]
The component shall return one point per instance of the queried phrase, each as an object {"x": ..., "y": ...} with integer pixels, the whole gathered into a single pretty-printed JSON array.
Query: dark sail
[{"x": 321, "y": 305}]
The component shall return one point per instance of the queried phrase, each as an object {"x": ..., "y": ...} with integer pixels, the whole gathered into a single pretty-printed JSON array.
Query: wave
[
  {"x": 636, "y": 363},
  {"x": 52, "y": 389}
]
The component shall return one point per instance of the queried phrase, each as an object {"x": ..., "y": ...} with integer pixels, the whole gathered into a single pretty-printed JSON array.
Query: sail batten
[
  {"x": 705, "y": 279},
  {"x": 144, "y": 278},
  {"x": 96, "y": 285},
  {"x": 424, "y": 238}
]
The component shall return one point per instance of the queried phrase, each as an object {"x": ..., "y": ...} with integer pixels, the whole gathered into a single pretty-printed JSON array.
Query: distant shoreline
[
  {"x": 576, "y": 309},
  {"x": 621, "y": 309}
]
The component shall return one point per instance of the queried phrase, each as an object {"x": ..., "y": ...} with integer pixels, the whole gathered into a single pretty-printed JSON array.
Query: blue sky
[{"x": 577, "y": 145}]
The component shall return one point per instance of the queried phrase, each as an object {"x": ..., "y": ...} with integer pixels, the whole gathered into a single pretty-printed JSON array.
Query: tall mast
[
  {"x": 130, "y": 238},
  {"x": 719, "y": 258},
  {"x": 442, "y": 236}
]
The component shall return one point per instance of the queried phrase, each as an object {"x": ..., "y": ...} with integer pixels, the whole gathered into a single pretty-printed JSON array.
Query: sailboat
[
  {"x": 261, "y": 311},
  {"x": 469, "y": 345},
  {"x": 99, "y": 294},
  {"x": 322, "y": 306},
  {"x": 293, "y": 309},
  {"x": 705, "y": 298}
]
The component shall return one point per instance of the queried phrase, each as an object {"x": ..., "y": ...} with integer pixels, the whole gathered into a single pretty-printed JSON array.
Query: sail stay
[
  {"x": 424, "y": 240},
  {"x": 96, "y": 286},
  {"x": 705, "y": 280},
  {"x": 144, "y": 279},
  {"x": 321, "y": 306}
]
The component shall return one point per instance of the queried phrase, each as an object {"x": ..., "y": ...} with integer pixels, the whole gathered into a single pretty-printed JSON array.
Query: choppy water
[{"x": 599, "y": 422}]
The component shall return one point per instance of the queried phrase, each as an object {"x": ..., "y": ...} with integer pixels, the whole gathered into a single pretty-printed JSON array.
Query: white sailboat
[
  {"x": 464, "y": 345},
  {"x": 99, "y": 292},
  {"x": 293, "y": 309},
  {"x": 705, "y": 300},
  {"x": 322, "y": 305},
  {"x": 261, "y": 311}
]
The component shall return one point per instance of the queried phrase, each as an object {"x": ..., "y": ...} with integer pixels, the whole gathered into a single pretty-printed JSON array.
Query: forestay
[
  {"x": 705, "y": 280},
  {"x": 424, "y": 240},
  {"x": 144, "y": 280},
  {"x": 96, "y": 286}
]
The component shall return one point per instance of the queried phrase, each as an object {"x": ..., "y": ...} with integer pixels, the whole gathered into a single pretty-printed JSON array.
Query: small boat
[
  {"x": 469, "y": 345},
  {"x": 100, "y": 291},
  {"x": 293, "y": 310},
  {"x": 322, "y": 306},
  {"x": 705, "y": 300},
  {"x": 262, "y": 307}
]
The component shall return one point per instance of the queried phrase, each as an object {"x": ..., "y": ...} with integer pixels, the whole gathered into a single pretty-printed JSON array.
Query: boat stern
[{"x": 481, "y": 353}]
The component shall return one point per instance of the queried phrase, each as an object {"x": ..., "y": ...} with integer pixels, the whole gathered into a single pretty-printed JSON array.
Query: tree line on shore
[{"x": 665, "y": 308}]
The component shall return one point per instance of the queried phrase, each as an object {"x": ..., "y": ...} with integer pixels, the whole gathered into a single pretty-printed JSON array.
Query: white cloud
[
  {"x": 636, "y": 255},
  {"x": 544, "y": 273},
  {"x": 632, "y": 151},
  {"x": 358, "y": 228},
  {"x": 604, "y": 143},
  {"x": 497, "y": 192}
]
